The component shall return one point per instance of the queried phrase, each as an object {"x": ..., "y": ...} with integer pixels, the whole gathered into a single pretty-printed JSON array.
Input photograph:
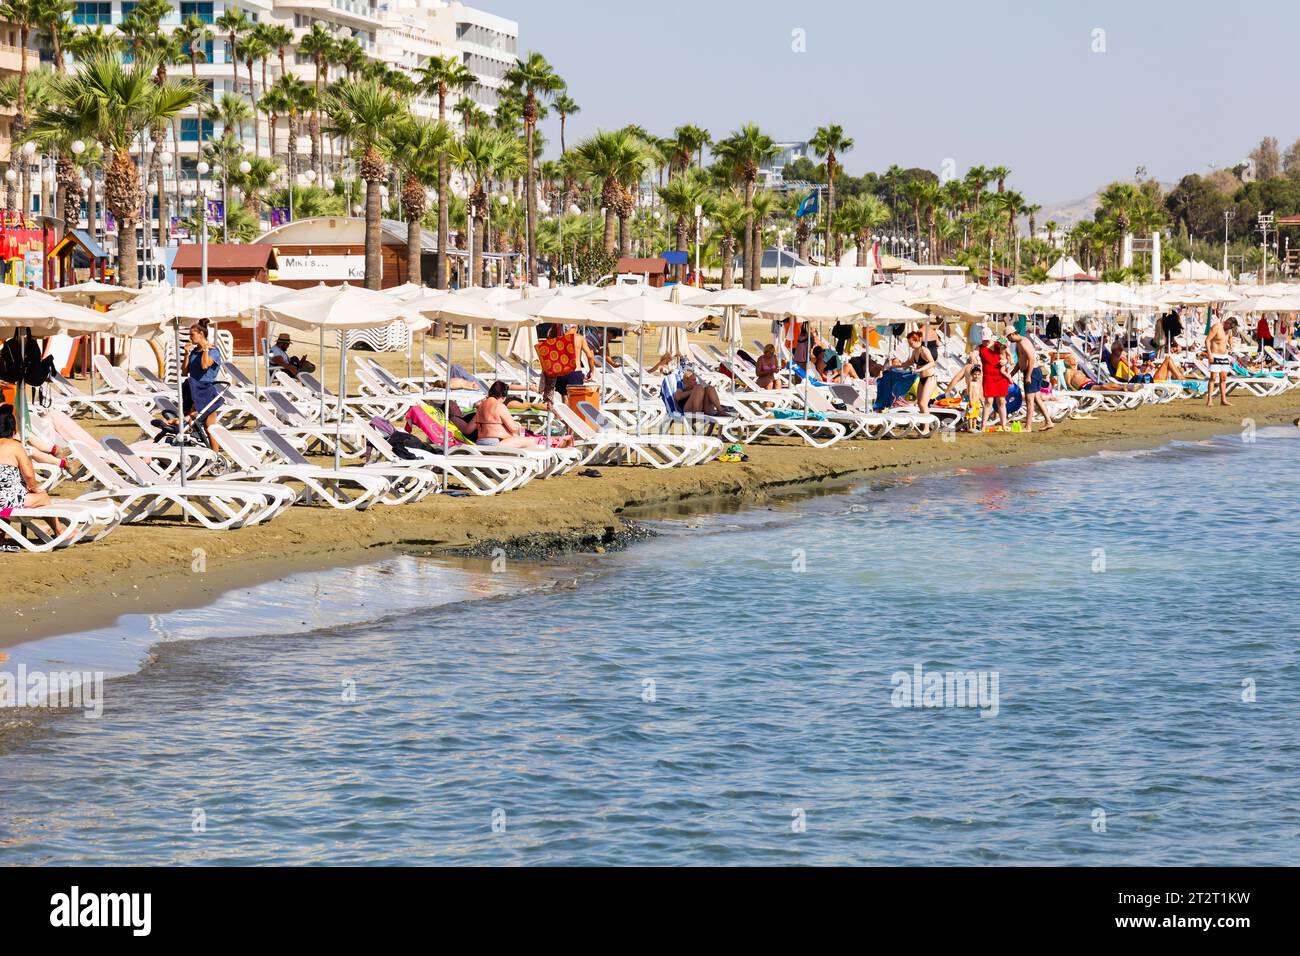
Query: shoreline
[{"x": 154, "y": 569}]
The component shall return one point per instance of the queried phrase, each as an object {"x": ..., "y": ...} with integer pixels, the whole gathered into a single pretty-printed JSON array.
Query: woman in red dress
[{"x": 996, "y": 381}]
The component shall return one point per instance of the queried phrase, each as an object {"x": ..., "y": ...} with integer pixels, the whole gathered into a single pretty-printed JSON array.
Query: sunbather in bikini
[
  {"x": 493, "y": 423},
  {"x": 18, "y": 485}
]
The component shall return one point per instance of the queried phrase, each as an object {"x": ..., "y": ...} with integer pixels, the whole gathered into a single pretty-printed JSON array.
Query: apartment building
[{"x": 11, "y": 59}]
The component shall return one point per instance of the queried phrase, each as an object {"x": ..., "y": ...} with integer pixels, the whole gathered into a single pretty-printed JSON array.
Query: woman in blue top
[{"x": 203, "y": 365}]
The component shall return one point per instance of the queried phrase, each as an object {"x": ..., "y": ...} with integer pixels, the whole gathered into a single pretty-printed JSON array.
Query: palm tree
[
  {"x": 689, "y": 142},
  {"x": 482, "y": 155},
  {"x": 279, "y": 37},
  {"x": 365, "y": 112},
  {"x": 862, "y": 215},
  {"x": 274, "y": 104},
  {"x": 193, "y": 36},
  {"x": 615, "y": 159},
  {"x": 441, "y": 76},
  {"x": 112, "y": 101},
  {"x": 829, "y": 142},
  {"x": 680, "y": 197},
  {"x": 55, "y": 22},
  {"x": 250, "y": 49},
  {"x": 537, "y": 82},
  {"x": 318, "y": 43},
  {"x": 232, "y": 23},
  {"x": 566, "y": 106},
  {"x": 24, "y": 14},
  {"x": 232, "y": 112},
  {"x": 54, "y": 129},
  {"x": 742, "y": 153},
  {"x": 1000, "y": 173},
  {"x": 419, "y": 148},
  {"x": 730, "y": 216}
]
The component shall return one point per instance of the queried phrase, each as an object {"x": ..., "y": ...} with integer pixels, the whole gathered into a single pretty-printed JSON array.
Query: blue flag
[{"x": 811, "y": 204}]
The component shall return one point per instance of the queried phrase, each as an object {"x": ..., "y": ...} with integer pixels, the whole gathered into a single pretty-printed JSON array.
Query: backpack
[{"x": 20, "y": 360}]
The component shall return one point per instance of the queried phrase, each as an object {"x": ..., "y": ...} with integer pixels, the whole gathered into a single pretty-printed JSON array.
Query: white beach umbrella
[
  {"x": 339, "y": 309},
  {"x": 94, "y": 293},
  {"x": 45, "y": 315}
]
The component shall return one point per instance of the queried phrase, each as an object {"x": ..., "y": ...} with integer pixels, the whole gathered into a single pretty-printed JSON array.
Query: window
[
  {"x": 201, "y": 10},
  {"x": 190, "y": 130},
  {"x": 92, "y": 13}
]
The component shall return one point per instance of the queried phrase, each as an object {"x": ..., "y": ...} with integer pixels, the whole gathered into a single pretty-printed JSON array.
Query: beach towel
[
  {"x": 893, "y": 384},
  {"x": 417, "y": 417}
]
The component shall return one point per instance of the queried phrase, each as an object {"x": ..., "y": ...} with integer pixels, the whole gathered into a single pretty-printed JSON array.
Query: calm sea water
[{"x": 726, "y": 692}]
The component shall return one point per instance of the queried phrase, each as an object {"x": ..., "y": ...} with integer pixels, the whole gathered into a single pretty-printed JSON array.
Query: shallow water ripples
[{"x": 770, "y": 638}]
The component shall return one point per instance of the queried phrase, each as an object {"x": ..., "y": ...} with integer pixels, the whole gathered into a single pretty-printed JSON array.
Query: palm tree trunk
[
  {"x": 373, "y": 249},
  {"x": 611, "y": 229},
  {"x": 476, "y": 252},
  {"x": 413, "y": 251},
  {"x": 252, "y": 95},
  {"x": 728, "y": 262},
  {"x": 530, "y": 208}
]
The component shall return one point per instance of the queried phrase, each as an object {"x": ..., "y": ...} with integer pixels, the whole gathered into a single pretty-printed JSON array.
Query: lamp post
[
  {"x": 699, "y": 219},
  {"x": 1228, "y": 216},
  {"x": 201, "y": 203},
  {"x": 1265, "y": 224}
]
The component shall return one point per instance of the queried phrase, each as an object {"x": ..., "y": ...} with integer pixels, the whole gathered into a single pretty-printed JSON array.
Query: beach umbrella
[
  {"x": 340, "y": 309},
  {"x": 91, "y": 294},
  {"x": 43, "y": 315}
]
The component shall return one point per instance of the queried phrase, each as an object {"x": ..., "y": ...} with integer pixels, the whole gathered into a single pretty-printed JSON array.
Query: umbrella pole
[
  {"x": 322, "y": 372},
  {"x": 446, "y": 411},
  {"x": 424, "y": 361},
  {"x": 94, "y": 342},
  {"x": 640, "y": 376},
  {"x": 180, "y": 399},
  {"x": 343, "y": 390}
]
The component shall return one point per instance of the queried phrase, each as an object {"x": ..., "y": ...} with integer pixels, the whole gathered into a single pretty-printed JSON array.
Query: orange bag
[{"x": 558, "y": 356}]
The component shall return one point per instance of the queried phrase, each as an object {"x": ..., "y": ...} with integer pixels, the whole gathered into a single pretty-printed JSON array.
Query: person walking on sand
[
  {"x": 1027, "y": 365},
  {"x": 1218, "y": 348}
]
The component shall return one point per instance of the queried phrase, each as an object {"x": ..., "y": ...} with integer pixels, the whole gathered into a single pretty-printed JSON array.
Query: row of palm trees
[{"x": 650, "y": 190}]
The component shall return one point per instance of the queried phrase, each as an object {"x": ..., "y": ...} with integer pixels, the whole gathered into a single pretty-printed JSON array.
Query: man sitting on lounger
[{"x": 291, "y": 365}]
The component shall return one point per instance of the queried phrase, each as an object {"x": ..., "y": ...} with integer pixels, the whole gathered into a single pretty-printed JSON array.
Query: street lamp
[
  {"x": 1228, "y": 216},
  {"x": 699, "y": 217},
  {"x": 201, "y": 204}
]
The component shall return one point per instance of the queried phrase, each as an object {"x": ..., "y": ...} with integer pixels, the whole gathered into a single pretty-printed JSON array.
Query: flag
[
  {"x": 875, "y": 254},
  {"x": 216, "y": 210},
  {"x": 811, "y": 205}
]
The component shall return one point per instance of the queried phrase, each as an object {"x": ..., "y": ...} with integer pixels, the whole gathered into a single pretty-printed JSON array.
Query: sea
[{"x": 1078, "y": 662}]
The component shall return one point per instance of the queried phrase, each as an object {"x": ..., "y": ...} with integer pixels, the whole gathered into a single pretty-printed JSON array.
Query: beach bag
[
  {"x": 409, "y": 448},
  {"x": 20, "y": 361},
  {"x": 558, "y": 357}
]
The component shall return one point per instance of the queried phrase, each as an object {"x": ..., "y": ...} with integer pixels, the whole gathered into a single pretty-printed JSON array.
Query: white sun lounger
[
  {"x": 83, "y": 521},
  {"x": 347, "y": 489},
  {"x": 140, "y": 492}
]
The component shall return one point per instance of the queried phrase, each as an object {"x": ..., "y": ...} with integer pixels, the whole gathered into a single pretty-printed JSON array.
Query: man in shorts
[
  {"x": 1218, "y": 348},
  {"x": 1027, "y": 365}
]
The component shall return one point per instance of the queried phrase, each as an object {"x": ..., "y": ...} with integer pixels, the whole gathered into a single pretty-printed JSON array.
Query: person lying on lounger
[
  {"x": 18, "y": 485},
  {"x": 1077, "y": 381}
]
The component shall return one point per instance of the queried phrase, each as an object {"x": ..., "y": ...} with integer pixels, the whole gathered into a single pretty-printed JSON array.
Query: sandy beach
[{"x": 157, "y": 568}]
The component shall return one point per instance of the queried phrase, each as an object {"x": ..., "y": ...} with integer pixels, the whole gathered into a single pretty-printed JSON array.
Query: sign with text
[{"x": 320, "y": 268}]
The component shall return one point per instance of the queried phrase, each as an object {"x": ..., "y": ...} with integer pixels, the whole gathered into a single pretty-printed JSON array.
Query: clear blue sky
[{"x": 1180, "y": 85}]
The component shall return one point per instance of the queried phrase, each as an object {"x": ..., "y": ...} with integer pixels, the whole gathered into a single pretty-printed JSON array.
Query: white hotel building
[{"x": 402, "y": 33}]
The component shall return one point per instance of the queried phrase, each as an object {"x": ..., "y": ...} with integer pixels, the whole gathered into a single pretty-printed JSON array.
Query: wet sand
[{"x": 154, "y": 568}]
